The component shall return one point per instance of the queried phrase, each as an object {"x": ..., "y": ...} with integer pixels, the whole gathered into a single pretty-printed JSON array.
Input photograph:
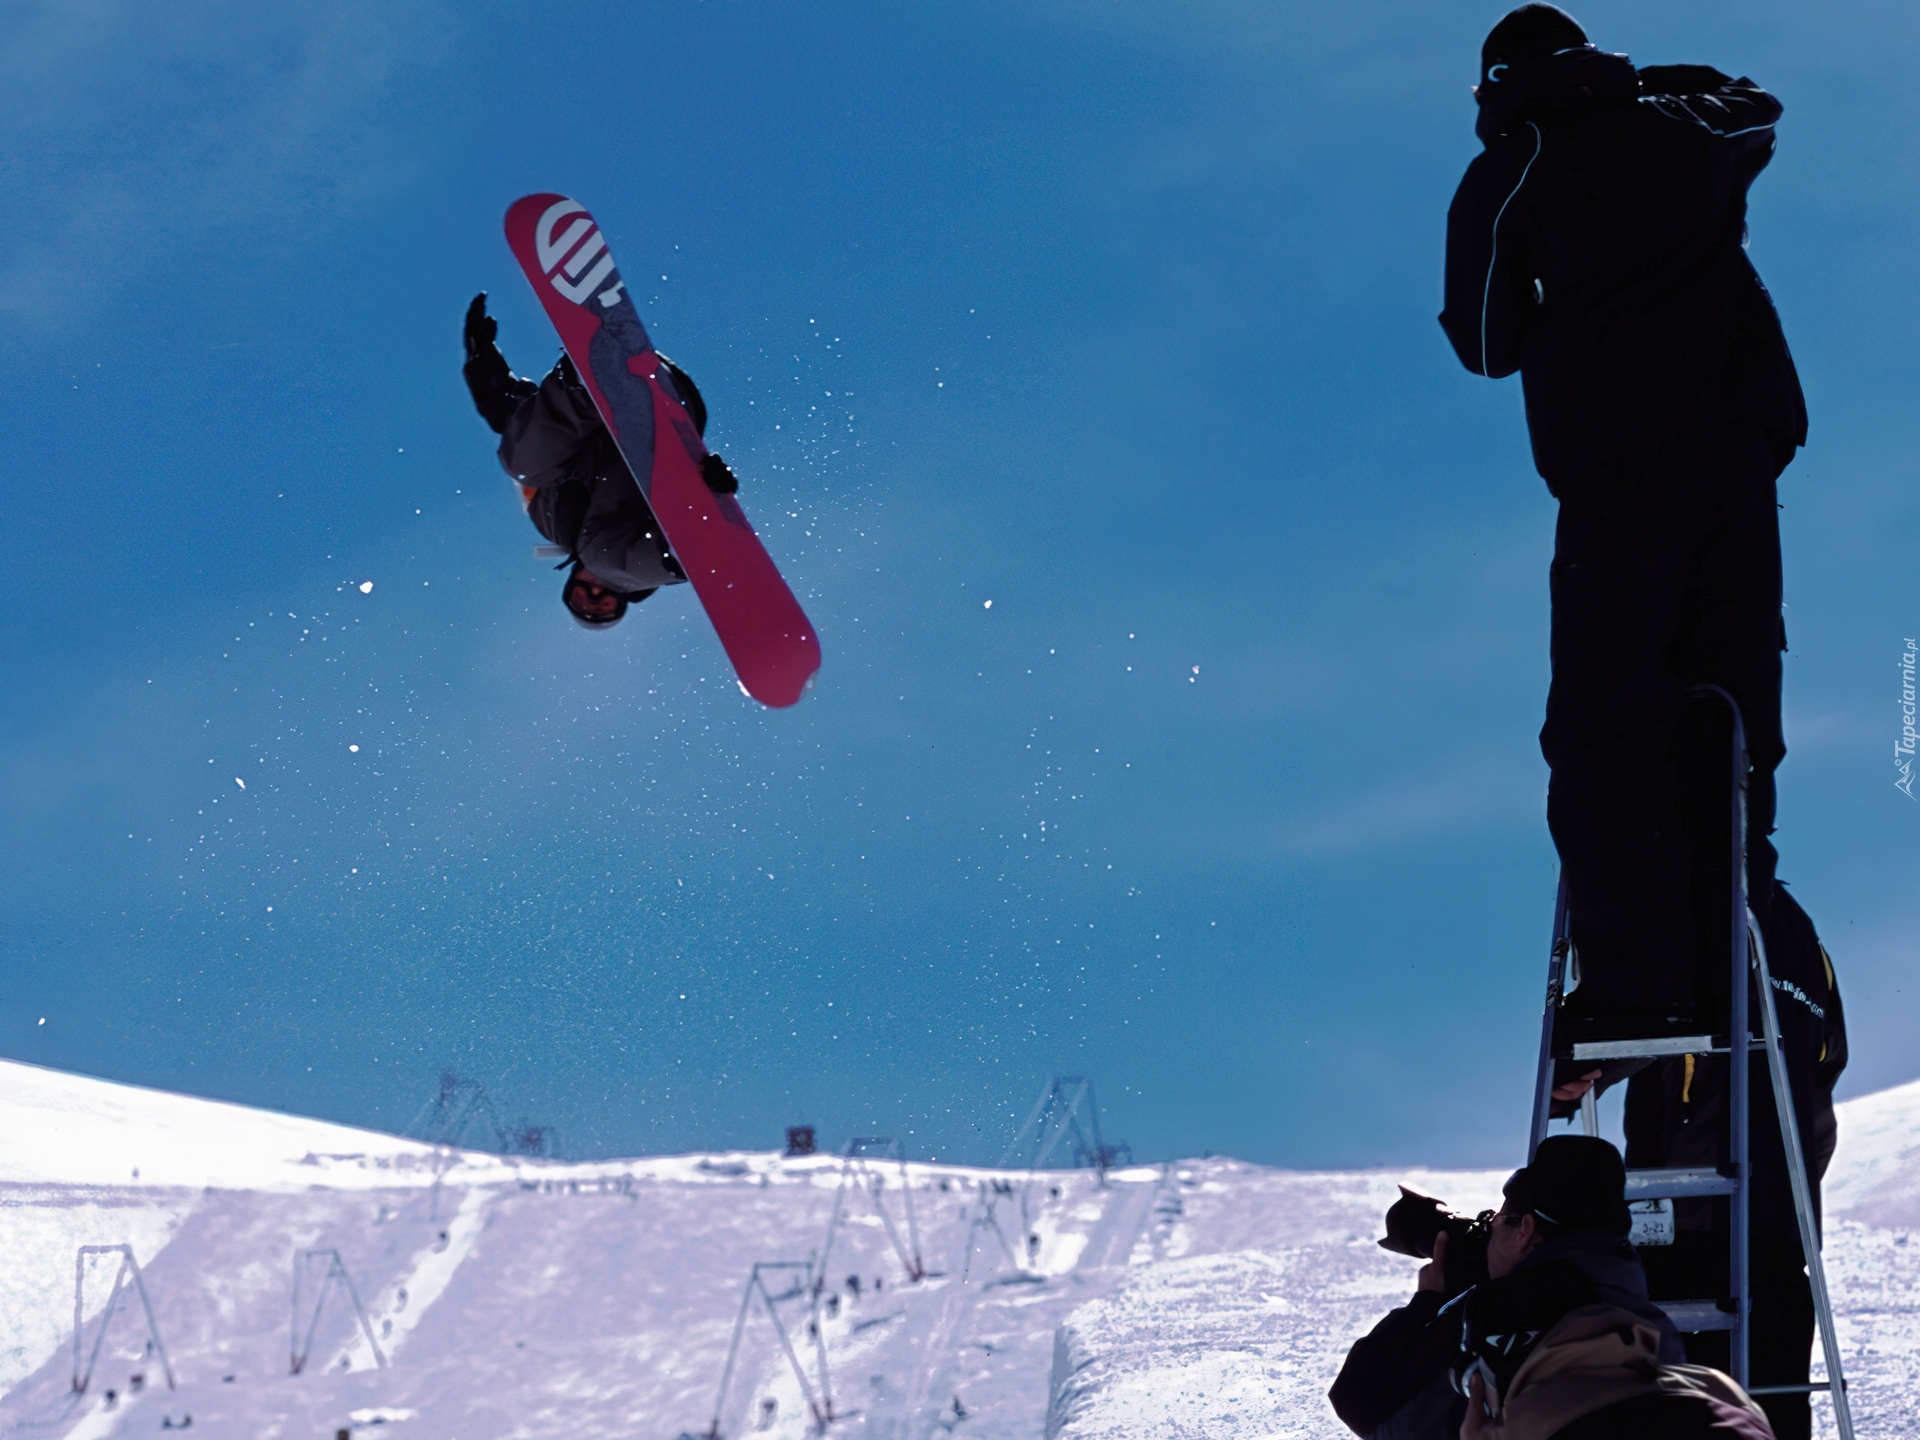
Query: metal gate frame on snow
[
  {"x": 853, "y": 1166},
  {"x": 302, "y": 1350},
  {"x": 128, "y": 1266},
  {"x": 991, "y": 1192},
  {"x": 821, "y": 1408}
]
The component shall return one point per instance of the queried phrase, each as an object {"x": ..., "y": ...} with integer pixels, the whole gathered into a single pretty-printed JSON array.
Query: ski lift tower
[
  {"x": 445, "y": 1119},
  {"x": 856, "y": 1173},
  {"x": 1066, "y": 1110}
]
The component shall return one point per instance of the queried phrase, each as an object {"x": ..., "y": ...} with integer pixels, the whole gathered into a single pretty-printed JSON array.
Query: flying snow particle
[
  {"x": 43, "y": 1019},
  {"x": 366, "y": 587},
  {"x": 987, "y": 606},
  {"x": 353, "y": 749},
  {"x": 238, "y": 781}
]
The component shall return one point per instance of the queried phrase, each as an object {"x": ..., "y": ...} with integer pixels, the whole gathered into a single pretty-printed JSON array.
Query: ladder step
[
  {"x": 1678, "y": 1184},
  {"x": 1820, "y": 1386},
  {"x": 1654, "y": 1049},
  {"x": 1694, "y": 1316},
  {"x": 1636, "y": 1049}
]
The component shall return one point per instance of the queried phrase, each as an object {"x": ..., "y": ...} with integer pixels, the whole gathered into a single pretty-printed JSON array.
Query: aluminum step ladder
[{"x": 1749, "y": 975}]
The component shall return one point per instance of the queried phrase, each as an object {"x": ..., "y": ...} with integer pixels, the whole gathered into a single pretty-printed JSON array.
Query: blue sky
[{"x": 1117, "y": 316}]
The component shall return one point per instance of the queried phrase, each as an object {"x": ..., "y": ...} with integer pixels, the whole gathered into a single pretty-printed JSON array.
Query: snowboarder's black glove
[
  {"x": 720, "y": 480},
  {"x": 481, "y": 327},
  {"x": 495, "y": 390}
]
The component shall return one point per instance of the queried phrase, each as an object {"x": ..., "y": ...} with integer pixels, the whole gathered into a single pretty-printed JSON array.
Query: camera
[{"x": 1415, "y": 1223}]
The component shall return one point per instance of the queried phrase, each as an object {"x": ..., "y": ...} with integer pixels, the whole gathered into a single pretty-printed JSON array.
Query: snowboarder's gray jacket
[{"x": 577, "y": 490}]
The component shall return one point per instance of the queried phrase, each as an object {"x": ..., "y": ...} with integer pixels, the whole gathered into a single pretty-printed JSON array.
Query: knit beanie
[
  {"x": 1577, "y": 1182},
  {"x": 1531, "y": 32}
]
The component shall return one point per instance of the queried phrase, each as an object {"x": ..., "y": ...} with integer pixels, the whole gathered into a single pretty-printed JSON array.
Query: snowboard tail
[{"x": 765, "y": 633}]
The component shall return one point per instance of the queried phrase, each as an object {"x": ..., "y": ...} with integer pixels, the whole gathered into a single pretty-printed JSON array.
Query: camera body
[{"x": 1415, "y": 1223}]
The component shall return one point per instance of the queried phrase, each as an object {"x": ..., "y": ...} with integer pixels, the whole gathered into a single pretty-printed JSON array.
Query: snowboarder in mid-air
[{"x": 577, "y": 490}]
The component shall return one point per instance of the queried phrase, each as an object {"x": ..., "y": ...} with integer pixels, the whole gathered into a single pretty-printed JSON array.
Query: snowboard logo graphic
[
  {"x": 572, "y": 252},
  {"x": 766, "y": 634}
]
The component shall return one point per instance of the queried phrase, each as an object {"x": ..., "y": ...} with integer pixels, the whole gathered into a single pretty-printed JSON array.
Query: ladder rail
[
  {"x": 1798, "y": 1178},
  {"x": 1747, "y": 964},
  {"x": 1739, "y": 1027},
  {"x": 1556, "y": 982}
]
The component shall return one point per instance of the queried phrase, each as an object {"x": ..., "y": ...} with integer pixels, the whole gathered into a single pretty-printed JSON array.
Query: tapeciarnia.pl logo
[{"x": 1903, "y": 747}]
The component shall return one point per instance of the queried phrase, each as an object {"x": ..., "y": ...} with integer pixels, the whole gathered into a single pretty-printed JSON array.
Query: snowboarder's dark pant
[
  {"x": 1661, "y": 581},
  {"x": 1780, "y": 1337}
]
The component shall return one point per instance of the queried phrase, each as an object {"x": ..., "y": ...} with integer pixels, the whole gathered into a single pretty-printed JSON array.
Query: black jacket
[
  {"x": 1394, "y": 1382},
  {"x": 1676, "y": 1109},
  {"x": 576, "y": 487},
  {"x": 1597, "y": 246},
  {"x": 1401, "y": 1364}
]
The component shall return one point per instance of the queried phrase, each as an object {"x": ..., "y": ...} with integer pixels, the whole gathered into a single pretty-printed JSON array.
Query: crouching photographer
[
  {"x": 1533, "y": 1323},
  {"x": 1395, "y": 1383}
]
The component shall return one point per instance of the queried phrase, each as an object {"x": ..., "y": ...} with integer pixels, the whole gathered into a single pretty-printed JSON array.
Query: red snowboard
[{"x": 767, "y": 635}]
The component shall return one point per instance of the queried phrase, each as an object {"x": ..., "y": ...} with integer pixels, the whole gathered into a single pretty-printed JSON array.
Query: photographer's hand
[
  {"x": 1574, "y": 1089},
  {"x": 1476, "y": 1417},
  {"x": 1433, "y": 1274}
]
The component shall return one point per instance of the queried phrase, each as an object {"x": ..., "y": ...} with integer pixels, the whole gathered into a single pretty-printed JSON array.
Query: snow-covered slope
[
  {"x": 1875, "y": 1178},
  {"x": 75, "y": 1130},
  {"x": 534, "y": 1298}
]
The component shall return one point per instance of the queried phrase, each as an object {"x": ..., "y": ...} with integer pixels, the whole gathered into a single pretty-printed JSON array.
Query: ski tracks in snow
[
  {"x": 400, "y": 1307},
  {"x": 970, "y": 1359}
]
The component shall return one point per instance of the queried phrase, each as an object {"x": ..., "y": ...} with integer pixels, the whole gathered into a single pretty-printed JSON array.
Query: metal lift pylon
[
  {"x": 856, "y": 1173},
  {"x": 1056, "y": 1116},
  {"x": 1749, "y": 976}
]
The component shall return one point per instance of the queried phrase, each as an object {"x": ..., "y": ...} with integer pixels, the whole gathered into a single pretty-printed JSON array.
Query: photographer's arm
[
  {"x": 1394, "y": 1362},
  {"x": 1489, "y": 295},
  {"x": 1737, "y": 113}
]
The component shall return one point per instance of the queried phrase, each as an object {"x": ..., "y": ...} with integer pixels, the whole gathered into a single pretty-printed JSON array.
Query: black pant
[
  {"x": 1664, "y": 580},
  {"x": 1780, "y": 1337}
]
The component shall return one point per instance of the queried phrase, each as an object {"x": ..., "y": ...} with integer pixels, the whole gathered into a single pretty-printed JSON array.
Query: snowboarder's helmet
[
  {"x": 593, "y": 605},
  {"x": 1531, "y": 32}
]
